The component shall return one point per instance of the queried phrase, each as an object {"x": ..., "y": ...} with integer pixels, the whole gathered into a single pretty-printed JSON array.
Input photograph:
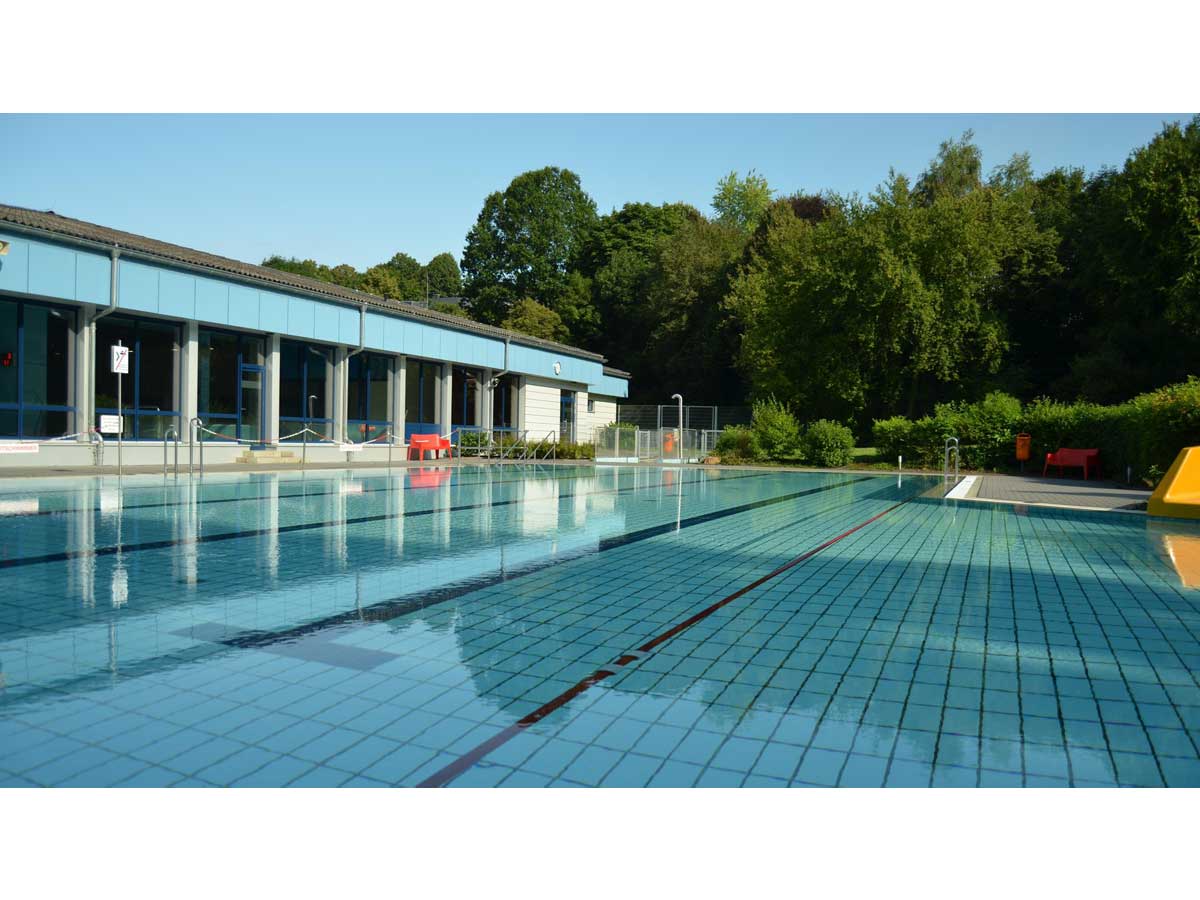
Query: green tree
[
  {"x": 530, "y": 317},
  {"x": 524, "y": 240},
  {"x": 309, "y": 268},
  {"x": 443, "y": 276},
  {"x": 955, "y": 171},
  {"x": 894, "y": 303},
  {"x": 382, "y": 282},
  {"x": 741, "y": 202},
  {"x": 409, "y": 275},
  {"x": 618, "y": 259},
  {"x": 346, "y": 276}
]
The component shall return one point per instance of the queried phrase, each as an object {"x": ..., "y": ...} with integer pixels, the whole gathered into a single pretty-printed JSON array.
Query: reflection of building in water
[{"x": 266, "y": 581}]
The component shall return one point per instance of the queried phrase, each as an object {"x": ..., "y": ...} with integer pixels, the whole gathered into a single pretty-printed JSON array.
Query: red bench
[
  {"x": 433, "y": 443},
  {"x": 1088, "y": 460}
]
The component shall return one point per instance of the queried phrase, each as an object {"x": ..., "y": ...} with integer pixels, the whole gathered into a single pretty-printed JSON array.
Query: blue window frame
[
  {"x": 367, "y": 396},
  {"x": 503, "y": 405},
  {"x": 148, "y": 392},
  {"x": 228, "y": 359},
  {"x": 464, "y": 390},
  {"x": 305, "y": 372},
  {"x": 566, "y": 423},
  {"x": 35, "y": 352},
  {"x": 420, "y": 401}
]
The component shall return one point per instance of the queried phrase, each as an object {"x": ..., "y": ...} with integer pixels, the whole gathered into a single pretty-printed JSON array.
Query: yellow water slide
[{"x": 1178, "y": 494}]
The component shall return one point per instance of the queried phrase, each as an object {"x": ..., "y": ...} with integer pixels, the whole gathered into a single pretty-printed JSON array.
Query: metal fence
[
  {"x": 620, "y": 443},
  {"x": 666, "y": 415}
]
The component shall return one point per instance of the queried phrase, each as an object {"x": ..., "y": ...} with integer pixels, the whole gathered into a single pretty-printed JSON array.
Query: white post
[
  {"x": 189, "y": 374},
  {"x": 399, "y": 398},
  {"x": 120, "y": 419},
  {"x": 270, "y": 428}
]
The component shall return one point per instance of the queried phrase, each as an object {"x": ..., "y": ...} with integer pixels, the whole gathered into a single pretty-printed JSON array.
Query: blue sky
[{"x": 356, "y": 189}]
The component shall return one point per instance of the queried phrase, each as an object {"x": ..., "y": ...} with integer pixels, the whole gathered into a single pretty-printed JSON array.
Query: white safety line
[{"x": 959, "y": 491}]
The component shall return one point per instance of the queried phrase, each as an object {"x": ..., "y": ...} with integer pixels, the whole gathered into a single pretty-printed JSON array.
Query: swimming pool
[{"x": 558, "y": 625}]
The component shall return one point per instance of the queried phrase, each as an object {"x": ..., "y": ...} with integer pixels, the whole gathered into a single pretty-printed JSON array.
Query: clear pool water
[{"x": 577, "y": 626}]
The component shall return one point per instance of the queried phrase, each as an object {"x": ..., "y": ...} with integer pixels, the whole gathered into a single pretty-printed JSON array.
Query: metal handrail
[
  {"x": 951, "y": 444},
  {"x": 195, "y": 435},
  {"x": 171, "y": 430},
  {"x": 97, "y": 440}
]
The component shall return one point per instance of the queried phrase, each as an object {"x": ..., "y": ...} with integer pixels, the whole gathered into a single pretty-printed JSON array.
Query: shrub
[
  {"x": 776, "y": 428},
  {"x": 1143, "y": 434},
  {"x": 569, "y": 450},
  {"x": 892, "y": 437},
  {"x": 986, "y": 430},
  {"x": 828, "y": 444},
  {"x": 737, "y": 443}
]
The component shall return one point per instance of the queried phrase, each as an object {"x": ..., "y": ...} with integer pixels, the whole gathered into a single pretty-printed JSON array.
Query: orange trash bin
[{"x": 1023, "y": 443}]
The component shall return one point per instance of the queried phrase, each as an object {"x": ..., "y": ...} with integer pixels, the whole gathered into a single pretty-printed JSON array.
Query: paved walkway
[{"x": 1060, "y": 492}]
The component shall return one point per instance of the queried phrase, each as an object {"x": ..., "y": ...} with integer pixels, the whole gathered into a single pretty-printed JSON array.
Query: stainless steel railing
[{"x": 171, "y": 430}]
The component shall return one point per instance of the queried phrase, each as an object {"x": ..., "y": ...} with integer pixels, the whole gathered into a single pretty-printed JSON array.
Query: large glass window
[
  {"x": 305, "y": 374},
  {"x": 150, "y": 390},
  {"x": 464, "y": 392},
  {"x": 367, "y": 396},
  {"x": 420, "y": 397},
  {"x": 35, "y": 352},
  {"x": 227, "y": 401},
  {"x": 504, "y": 403}
]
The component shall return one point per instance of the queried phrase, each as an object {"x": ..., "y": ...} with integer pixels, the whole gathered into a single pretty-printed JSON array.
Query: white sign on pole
[
  {"x": 110, "y": 424},
  {"x": 120, "y": 359}
]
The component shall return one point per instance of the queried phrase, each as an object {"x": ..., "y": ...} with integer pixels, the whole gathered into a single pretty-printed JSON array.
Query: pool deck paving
[{"x": 1063, "y": 492}]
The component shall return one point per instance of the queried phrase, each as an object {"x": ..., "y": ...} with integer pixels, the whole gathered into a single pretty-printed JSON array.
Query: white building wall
[
  {"x": 605, "y": 414},
  {"x": 540, "y": 407}
]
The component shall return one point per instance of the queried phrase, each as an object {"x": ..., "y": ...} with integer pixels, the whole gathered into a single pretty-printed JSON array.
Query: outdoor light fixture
[{"x": 3, "y": 248}]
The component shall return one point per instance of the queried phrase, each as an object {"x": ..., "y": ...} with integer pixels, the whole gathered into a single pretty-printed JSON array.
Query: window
[
  {"x": 591, "y": 405},
  {"x": 35, "y": 354},
  {"x": 464, "y": 391},
  {"x": 504, "y": 403},
  {"x": 230, "y": 395},
  {"x": 305, "y": 375},
  {"x": 368, "y": 396},
  {"x": 420, "y": 397},
  {"x": 149, "y": 392}
]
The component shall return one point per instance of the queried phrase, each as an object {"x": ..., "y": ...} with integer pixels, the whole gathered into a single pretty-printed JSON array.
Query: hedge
[{"x": 1144, "y": 433}]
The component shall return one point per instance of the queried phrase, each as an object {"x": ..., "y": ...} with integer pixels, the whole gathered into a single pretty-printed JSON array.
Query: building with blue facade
[{"x": 255, "y": 353}]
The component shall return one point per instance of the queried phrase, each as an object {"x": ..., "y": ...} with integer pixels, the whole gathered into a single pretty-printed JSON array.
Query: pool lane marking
[
  {"x": 387, "y": 610},
  {"x": 394, "y": 608},
  {"x": 449, "y": 772},
  {"x": 64, "y": 555}
]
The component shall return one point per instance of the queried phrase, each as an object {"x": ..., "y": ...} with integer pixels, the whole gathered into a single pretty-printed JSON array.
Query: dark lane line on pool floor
[
  {"x": 452, "y": 770},
  {"x": 394, "y": 608},
  {"x": 64, "y": 555}
]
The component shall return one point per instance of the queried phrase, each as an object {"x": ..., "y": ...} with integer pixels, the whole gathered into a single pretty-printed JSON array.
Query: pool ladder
[
  {"x": 951, "y": 446},
  {"x": 167, "y": 435}
]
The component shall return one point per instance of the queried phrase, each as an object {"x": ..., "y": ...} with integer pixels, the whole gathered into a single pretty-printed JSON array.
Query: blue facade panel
[
  {"x": 177, "y": 295},
  {"x": 137, "y": 286},
  {"x": 92, "y": 272},
  {"x": 212, "y": 301},
  {"x": 14, "y": 267},
  {"x": 47, "y": 268},
  {"x": 347, "y": 332},
  {"x": 272, "y": 312},
  {"x": 609, "y": 386},
  {"x": 51, "y": 271},
  {"x": 301, "y": 317},
  {"x": 243, "y": 307}
]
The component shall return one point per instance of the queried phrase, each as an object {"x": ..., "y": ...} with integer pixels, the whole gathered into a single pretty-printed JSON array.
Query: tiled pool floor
[{"x": 481, "y": 626}]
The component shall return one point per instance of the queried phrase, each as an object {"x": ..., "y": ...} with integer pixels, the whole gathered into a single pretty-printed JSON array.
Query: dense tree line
[
  {"x": 400, "y": 278},
  {"x": 943, "y": 287}
]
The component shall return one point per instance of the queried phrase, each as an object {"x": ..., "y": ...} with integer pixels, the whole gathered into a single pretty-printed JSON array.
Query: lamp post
[{"x": 679, "y": 442}]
